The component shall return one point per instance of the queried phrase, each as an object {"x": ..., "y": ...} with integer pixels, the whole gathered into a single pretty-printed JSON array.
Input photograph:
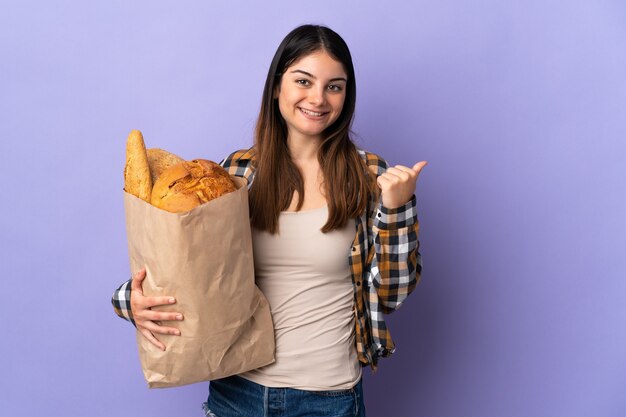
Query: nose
[{"x": 317, "y": 96}]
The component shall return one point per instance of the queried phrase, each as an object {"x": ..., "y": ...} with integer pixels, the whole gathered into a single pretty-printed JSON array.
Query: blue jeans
[{"x": 238, "y": 397}]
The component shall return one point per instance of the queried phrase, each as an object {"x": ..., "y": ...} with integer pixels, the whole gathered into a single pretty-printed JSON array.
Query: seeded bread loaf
[{"x": 160, "y": 160}]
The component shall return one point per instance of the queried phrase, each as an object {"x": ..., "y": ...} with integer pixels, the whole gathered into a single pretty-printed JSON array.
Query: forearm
[
  {"x": 396, "y": 266},
  {"x": 121, "y": 301}
]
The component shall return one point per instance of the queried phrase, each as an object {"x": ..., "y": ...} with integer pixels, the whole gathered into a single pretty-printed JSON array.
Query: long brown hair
[{"x": 347, "y": 183}]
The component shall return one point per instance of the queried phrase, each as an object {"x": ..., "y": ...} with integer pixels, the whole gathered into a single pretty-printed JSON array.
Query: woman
[{"x": 334, "y": 235}]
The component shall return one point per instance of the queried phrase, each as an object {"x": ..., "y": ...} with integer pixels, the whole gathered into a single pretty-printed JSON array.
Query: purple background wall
[{"x": 519, "y": 107}]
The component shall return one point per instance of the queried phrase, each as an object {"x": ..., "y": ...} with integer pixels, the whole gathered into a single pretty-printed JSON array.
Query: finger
[
  {"x": 162, "y": 316},
  {"x": 137, "y": 280},
  {"x": 152, "y": 339},
  {"x": 155, "y": 328},
  {"x": 383, "y": 182},
  {"x": 408, "y": 170},
  {"x": 419, "y": 166},
  {"x": 403, "y": 175},
  {"x": 392, "y": 177},
  {"x": 158, "y": 301}
]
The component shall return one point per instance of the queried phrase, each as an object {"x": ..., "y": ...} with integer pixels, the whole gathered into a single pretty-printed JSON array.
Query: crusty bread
[
  {"x": 188, "y": 184},
  {"x": 137, "y": 172},
  {"x": 160, "y": 160}
]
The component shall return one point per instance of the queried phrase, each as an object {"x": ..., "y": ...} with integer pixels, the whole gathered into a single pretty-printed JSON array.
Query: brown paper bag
[{"x": 203, "y": 258}]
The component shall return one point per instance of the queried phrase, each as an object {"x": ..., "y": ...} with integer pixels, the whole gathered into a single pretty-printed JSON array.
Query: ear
[{"x": 276, "y": 92}]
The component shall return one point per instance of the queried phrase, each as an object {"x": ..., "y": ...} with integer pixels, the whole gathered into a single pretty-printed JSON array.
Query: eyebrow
[{"x": 314, "y": 77}]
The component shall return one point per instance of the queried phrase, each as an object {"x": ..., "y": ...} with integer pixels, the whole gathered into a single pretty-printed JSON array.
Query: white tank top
[{"x": 306, "y": 278}]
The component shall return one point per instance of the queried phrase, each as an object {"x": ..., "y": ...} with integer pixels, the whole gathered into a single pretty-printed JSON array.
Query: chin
[{"x": 316, "y": 133}]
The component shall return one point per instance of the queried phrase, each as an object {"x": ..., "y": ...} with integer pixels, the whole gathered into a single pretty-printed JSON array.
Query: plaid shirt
[{"x": 384, "y": 261}]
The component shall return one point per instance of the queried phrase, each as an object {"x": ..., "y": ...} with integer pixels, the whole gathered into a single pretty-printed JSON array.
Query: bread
[
  {"x": 136, "y": 171},
  {"x": 188, "y": 184},
  {"x": 160, "y": 160}
]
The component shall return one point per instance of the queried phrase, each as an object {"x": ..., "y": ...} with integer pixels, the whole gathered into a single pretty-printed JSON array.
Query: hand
[
  {"x": 147, "y": 320},
  {"x": 398, "y": 184}
]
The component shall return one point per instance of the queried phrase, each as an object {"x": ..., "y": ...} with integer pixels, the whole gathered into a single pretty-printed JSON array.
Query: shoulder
[
  {"x": 375, "y": 163},
  {"x": 240, "y": 163},
  {"x": 239, "y": 157}
]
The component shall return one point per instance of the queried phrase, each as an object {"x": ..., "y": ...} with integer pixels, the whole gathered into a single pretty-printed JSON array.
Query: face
[{"x": 311, "y": 95}]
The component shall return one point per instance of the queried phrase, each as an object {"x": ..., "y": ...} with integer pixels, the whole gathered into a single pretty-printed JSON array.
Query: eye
[
  {"x": 303, "y": 81},
  {"x": 334, "y": 87}
]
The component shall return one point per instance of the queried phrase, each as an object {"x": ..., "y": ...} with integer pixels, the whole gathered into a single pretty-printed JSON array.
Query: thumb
[
  {"x": 419, "y": 166},
  {"x": 138, "y": 279}
]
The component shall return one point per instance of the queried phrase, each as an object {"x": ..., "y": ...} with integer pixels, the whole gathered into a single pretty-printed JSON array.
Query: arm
[
  {"x": 121, "y": 301},
  {"x": 130, "y": 304},
  {"x": 397, "y": 264},
  {"x": 239, "y": 164}
]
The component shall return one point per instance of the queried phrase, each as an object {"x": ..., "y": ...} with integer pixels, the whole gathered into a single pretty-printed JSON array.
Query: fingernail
[
  {"x": 177, "y": 332},
  {"x": 179, "y": 317},
  {"x": 171, "y": 300}
]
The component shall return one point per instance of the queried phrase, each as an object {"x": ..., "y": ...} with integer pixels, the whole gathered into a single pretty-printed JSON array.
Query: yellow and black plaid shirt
[{"x": 384, "y": 260}]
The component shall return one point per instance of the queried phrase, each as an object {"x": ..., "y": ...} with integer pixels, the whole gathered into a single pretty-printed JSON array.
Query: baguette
[{"x": 137, "y": 171}]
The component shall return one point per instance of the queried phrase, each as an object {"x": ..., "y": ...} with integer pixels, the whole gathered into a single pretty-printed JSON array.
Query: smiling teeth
[{"x": 311, "y": 113}]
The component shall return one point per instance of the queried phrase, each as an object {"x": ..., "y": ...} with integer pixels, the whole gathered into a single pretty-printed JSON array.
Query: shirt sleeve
[
  {"x": 121, "y": 301},
  {"x": 397, "y": 263},
  {"x": 239, "y": 164}
]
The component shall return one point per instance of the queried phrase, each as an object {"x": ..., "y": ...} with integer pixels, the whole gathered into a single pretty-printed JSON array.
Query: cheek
[
  {"x": 282, "y": 105},
  {"x": 286, "y": 100},
  {"x": 338, "y": 104}
]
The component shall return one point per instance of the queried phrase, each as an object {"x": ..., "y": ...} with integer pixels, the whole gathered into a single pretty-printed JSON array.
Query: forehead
[{"x": 320, "y": 64}]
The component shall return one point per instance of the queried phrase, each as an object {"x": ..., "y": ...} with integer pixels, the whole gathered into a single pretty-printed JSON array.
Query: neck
[{"x": 303, "y": 149}]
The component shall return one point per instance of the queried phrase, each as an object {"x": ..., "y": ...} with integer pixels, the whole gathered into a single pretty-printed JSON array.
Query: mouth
[{"x": 310, "y": 114}]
